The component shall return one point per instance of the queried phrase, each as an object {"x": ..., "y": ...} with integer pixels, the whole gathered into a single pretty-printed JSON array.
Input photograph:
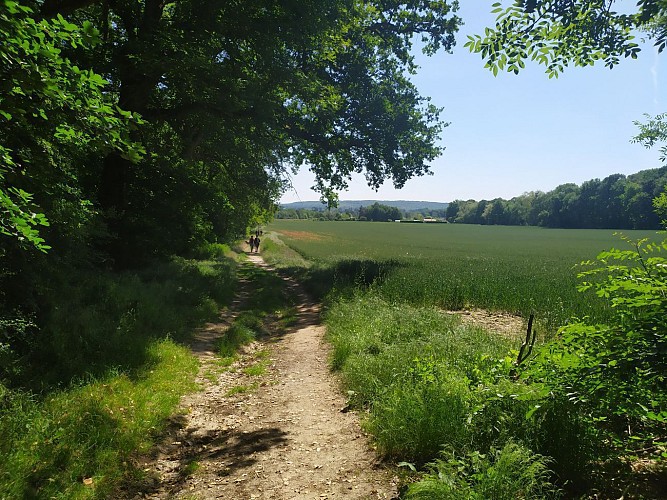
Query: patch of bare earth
[
  {"x": 279, "y": 435},
  {"x": 502, "y": 323}
]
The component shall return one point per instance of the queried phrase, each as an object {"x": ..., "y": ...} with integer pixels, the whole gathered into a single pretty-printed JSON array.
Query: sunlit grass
[
  {"x": 256, "y": 369},
  {"x": 241, "y": 389},
  {"x": 76, "y": 443},
  {"x": 521, "y": 270}
]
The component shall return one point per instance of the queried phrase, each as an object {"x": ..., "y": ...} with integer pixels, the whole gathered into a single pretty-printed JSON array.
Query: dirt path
[{"x": 285, "y": 438}]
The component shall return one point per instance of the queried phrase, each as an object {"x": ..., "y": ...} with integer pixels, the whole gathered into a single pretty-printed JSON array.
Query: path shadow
[
  {"x": 235, "y": 449},
  {"x": 343, "y": 277}
]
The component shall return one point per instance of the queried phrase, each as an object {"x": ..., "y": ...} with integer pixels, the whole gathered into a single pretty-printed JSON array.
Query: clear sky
[{"x": 516, "y": 133}]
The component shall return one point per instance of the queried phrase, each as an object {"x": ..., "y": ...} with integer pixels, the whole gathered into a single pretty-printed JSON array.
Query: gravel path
[{"x": 288, "y": 437}]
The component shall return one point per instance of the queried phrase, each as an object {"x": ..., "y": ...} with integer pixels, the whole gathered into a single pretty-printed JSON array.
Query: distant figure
[
  {"x": 257, "y": 240},
  {"x": 251, "y": 242}
]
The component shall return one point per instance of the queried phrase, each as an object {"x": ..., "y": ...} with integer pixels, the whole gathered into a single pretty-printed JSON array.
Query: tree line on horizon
[
  {"x": 615, "y": 202},
  {"x": 376, "y": 212}
]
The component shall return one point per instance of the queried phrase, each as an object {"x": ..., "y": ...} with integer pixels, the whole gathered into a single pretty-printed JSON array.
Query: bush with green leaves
[
  {"x": 52, "y": 114},
  {"x": 617, "y": 372}
]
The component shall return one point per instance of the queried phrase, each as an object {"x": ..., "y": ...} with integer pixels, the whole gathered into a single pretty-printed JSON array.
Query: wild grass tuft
[
  {"x": 241, "y": 389},
  {"x": 257, "y": 369},
  {"x": 415, "y": 369},
  {"x": 236, "y": 336},
  {"x": 502, "y": 474},
  {"x": 190, "y": 468}
]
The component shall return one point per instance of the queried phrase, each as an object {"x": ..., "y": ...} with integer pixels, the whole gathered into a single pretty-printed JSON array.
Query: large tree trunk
[{"x": 137, "y": 82}]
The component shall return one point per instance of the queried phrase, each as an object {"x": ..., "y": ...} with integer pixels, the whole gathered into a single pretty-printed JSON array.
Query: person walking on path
[
  {"x": 257, "y": 240},
  {"x": 251, "y": 242}
]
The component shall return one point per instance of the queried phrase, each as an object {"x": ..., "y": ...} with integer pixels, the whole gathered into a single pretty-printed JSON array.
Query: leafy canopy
[
  {"x": 559, "y": 34},
  {"x": 48, "y": 105}
]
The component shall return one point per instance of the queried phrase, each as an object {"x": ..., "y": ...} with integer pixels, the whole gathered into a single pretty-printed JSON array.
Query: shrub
[
  {"x": 617, "y": 372},
  {"x": 503, "y": 474}
]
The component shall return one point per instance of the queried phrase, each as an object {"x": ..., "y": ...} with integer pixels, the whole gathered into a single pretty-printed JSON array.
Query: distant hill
[{"x": 405, "y": 205}]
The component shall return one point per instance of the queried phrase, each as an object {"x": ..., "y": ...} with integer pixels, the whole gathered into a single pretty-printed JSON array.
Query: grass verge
[
  {"x": 77, "y": 443},
  {"x": 104, "y": 371}
]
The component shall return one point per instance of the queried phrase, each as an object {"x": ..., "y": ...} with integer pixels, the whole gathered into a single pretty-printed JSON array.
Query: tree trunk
[{"x": 136, "y": 85}]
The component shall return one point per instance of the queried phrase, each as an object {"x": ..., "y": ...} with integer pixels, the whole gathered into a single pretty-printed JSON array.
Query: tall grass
[
  {"x": 503, "y": 474},
  {"x": 522, "y": 270},
  {"x": 428, "y": 383},
  {"x": 103, "y": 372},
  {"x": 76, "y": 443}
]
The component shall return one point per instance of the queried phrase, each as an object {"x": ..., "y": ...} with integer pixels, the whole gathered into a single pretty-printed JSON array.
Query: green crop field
[{"x": 521, "y": 270}]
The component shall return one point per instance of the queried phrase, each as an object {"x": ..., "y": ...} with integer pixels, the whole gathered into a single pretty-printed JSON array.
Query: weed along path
[{"x": 272, "y": 425}]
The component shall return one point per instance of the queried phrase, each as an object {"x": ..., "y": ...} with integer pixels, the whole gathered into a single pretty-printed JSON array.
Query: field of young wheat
[{"x": 521, "y": 270}]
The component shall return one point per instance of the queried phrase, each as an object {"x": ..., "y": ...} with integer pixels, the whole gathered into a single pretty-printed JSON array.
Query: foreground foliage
[
  {"x": 617, "y": 371},
  {"x": 502, "y": 474},
  {"x": 52, "y": 114},
  {"x": 559, "y": 34}
]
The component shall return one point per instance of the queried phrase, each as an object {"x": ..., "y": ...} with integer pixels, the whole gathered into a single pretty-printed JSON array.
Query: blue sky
[{"x": 511, "y": 134}]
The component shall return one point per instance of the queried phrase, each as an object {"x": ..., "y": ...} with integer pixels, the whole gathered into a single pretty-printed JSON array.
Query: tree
[
  {"x": 452, "y": 210},
  {"x": 652, "y": 132},
  {"x": 52, "y": 113},
  {"x": 660, "y": 205},
  {"x": 576, "y": 32},
  {"x": 559, "y": 34},
  {"x": 379, "y": 213},
  {"x": 235, "y": 95},
  {"x": 494, "y": 213}
]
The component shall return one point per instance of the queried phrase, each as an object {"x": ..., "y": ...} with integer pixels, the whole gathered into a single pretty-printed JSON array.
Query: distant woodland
[{"x": 615, "y": 202}]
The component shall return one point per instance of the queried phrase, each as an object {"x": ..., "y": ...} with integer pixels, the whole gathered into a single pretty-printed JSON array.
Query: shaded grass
[
  {"x": 104, "y": 373},
  {"x": 89, "y": 432},
  {"x": 236, "y": 336},
  {"x": 268, "y": 310},
  {"x": 100, "y": 321}
]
